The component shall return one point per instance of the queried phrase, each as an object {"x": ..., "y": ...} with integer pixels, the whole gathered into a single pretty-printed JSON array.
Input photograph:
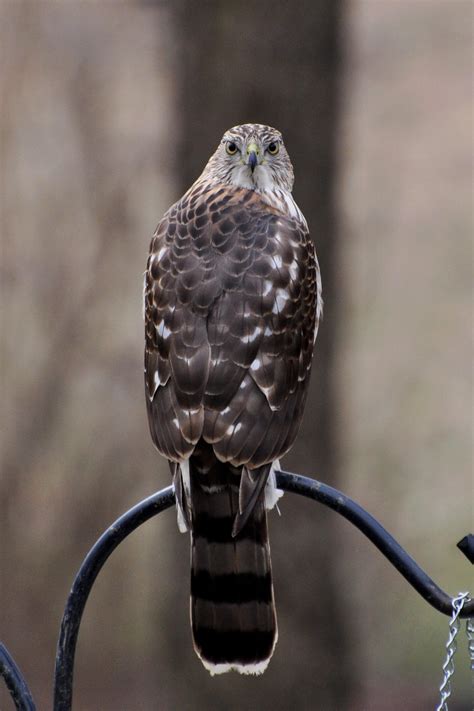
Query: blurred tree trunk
[{"x": 279, "y": 64}]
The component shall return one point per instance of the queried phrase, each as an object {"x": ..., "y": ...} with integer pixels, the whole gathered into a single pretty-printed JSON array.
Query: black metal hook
[
  {"x": 85, "y": 578},
  {"x": 376, "y": 533},
  {"x": 162, "y": 500},
  {"x": 15, "y": 682}
]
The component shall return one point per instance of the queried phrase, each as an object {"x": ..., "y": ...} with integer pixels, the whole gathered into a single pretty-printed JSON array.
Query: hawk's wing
[{"x": 231, "y": 313}]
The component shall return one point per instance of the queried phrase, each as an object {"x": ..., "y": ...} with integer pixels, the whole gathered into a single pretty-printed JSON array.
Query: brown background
[{"x": 108, "y": 110}]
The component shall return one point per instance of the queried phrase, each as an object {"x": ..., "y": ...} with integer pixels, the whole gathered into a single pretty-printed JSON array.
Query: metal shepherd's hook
[{"x": 155, "y": 504}]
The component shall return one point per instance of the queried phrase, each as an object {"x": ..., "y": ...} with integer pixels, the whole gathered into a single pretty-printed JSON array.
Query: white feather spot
[
  {"x": 294, "y": 269},
  {"x": 144, "y": 295},
  {"x": 185, "y": 476},
  {"x": 319, "y": 301},
  {"x": 233, "y": 429},
  {"x": 272, "y": 494},
  {"x": 255, "y": 669},
  {"x": 257, "y": 363},
  {"x": 184, "y": 465},
  {"x": 250, "y": 338},
  {"x": 281, "y": 297},
  {"x": 182, "y": 527},
  {"x": 163, "y": 331}
]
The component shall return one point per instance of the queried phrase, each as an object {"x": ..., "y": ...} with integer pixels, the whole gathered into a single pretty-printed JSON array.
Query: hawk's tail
[{"x": 232, "y": 606}]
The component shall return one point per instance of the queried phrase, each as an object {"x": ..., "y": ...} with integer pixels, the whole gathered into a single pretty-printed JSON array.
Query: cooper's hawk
[{"x": 232, "y": 305}]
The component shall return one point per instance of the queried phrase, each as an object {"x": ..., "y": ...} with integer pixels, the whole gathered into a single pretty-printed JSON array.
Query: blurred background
[{"x": 109, "y": 111}]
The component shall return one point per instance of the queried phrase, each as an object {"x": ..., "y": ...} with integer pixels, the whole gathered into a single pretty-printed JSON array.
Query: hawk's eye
[
  {"x": 231, "y": 148},
  {"x": 273, "y": 148}
]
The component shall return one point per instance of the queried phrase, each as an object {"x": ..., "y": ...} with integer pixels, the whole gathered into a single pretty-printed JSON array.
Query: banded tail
[{"x": 233, "y": 615}]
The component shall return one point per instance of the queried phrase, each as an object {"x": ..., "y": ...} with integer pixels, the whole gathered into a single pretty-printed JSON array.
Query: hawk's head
[{"x": 252, "y": 156}]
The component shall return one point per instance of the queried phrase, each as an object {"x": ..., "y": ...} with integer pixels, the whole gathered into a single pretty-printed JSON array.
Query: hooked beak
[{"x": 252, "y": 155}]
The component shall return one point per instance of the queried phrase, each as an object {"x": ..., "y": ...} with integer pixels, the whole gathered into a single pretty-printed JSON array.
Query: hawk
[{"x": 232, "y": 305}]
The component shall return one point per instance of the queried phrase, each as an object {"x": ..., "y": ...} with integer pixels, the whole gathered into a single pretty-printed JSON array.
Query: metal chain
[
  {"x": 470, "y": 643},
  {"x": 451, "y": 646},
  {"x": 470, "y": 647}
]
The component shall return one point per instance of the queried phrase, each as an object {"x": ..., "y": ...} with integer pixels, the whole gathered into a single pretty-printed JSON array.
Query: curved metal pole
[
  {"x": 376, "y": 533},
  {"x": 15, "y": 682},
  {"x": 90, "y": 568},
  {"x": 153, "y": 505}
]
